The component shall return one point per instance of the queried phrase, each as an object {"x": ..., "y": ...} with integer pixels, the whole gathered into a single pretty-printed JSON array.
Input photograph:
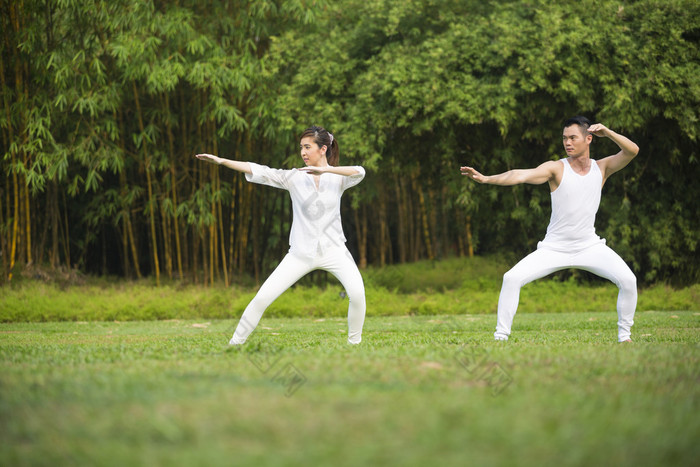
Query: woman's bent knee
[{"x": 357, "y": 298}]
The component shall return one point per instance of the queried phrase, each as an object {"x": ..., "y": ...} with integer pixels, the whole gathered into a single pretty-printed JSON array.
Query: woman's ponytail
[{"x": 334, "y": 151}]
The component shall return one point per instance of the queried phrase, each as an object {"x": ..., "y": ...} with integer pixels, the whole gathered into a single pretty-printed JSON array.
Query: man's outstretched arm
[{"x": 537, "y": 176}]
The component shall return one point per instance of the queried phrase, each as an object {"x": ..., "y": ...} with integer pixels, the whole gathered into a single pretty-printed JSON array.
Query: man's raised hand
[{"x": 598, "y": 129}]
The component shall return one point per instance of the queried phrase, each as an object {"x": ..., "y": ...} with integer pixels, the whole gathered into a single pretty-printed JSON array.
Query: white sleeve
[
  {"x": 352, "y": 180},
  {"x": 262, "y": 174}
]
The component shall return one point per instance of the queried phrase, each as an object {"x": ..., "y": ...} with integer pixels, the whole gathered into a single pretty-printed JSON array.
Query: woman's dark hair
[{"x": 322, "y": 137}]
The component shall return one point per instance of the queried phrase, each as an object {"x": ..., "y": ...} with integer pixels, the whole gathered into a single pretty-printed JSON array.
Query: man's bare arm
[
  {"x": 628, "y": 150},
  {"x": 541, "y": 174}
]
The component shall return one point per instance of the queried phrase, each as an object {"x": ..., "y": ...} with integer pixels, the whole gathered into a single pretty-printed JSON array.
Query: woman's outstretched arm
[
  {"x": 231, "y": 164},
  {"x": 329, "y": 169}
]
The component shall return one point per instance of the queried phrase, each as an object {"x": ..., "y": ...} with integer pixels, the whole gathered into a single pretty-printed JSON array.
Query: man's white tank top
[{"x": 574, "y": 206}]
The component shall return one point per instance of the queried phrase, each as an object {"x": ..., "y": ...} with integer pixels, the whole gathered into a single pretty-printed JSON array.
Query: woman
[{"x": 316, "y": 240}]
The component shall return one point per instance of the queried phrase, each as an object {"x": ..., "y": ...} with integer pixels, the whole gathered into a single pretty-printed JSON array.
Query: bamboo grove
[{"x": 104, "y": 103}]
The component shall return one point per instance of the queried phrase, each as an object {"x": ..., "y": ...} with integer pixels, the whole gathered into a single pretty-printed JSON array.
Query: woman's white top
[
  {"x": 316, "y": 224},
  {"x": 574, "y": 207}
]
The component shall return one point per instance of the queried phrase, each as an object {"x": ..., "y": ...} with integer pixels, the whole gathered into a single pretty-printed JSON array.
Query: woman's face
[{"x": 311, "y": 153}]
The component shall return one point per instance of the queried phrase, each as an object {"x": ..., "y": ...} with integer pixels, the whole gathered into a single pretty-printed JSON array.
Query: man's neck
[{"x": 580, "y": 163}]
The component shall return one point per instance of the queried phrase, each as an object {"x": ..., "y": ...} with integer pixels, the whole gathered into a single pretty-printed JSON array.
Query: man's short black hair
[{"x": 582, "y": 122}]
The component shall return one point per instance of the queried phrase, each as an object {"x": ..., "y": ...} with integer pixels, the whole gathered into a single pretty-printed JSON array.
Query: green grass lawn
[{"x": 419, "y": 390}]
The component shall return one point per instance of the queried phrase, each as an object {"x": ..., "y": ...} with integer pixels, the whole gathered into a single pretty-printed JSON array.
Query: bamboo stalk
[
  {"x": 231, "y": 223},
  {"x": 28, "y": 224},
  {"x": 185, "y": 144},
  {"x": 212, "y": 246},
  {"x": 470, "y": 243},
  {"x": 213, "y": 233},
  {"x": 460, "y": 238},
  {"x": 382, "y": 227},
  {"x": 424, "y": 219},
  {"x": 256, "y": 241},
  {"x": 360, "y": 215},
  {"x": 15, "y": 219},
  {"x": 3, "y": 239},
  {"x": 14, "y": 18},
  {"x": 173, "y": 185},
  {"x": 245, "y": 226},
  {"x": 129, "y": 243},
  {"x": 221, "y": 234},
  {"x": 165, "y": 226},
  {"x": 412, "y": 225},
  {"x": 400, "y": 231},
  {"x": 149, "y": 182},
  {"x": 66, "y": 232},
  {"x": 134, "y": 252}
]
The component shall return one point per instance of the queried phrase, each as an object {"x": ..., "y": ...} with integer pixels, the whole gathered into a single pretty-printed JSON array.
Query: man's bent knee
[
  {"x": 628, "y": 282},
  {"x": 512, "y": 279}
]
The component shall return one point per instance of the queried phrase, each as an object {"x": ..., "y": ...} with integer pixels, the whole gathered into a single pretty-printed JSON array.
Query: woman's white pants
[
  {"x": 598, "y": 259},
  {"x": 337, "y": 261}
]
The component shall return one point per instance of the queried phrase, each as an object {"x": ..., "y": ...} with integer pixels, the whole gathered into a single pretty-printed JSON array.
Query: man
[{"x": 575, "y": 184}]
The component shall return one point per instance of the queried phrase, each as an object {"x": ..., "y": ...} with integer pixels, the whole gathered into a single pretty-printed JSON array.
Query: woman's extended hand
[
  {"x": 209, "y": 158},
  {"x": 313, "y": 170}
]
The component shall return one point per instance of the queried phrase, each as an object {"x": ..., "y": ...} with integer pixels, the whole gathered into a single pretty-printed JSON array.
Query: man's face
[{"x": 575, "y": 141}]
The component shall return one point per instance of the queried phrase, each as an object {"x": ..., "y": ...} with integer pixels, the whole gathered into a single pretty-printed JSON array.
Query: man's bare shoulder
[
  {"x": 555, "y": 172},
  {"x": 553, "y": 167},
  {"x": 553, "y": 164}
]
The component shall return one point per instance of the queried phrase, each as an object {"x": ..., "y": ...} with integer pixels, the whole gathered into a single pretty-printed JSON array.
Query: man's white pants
[
  {"x": 337, "y": 261},
  {"x": 598, "y": 259}
]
